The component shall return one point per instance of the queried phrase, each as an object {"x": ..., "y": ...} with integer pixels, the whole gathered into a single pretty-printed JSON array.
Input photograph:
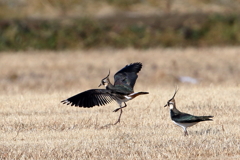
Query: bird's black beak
[
  {"x": 100, "y": 85},
  {"x": 166, "y": 105}
]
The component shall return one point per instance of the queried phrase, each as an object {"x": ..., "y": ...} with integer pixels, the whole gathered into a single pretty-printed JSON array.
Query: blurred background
[
  {"x": 48, "y": 44},
  {"x": 142, "y": 24}
]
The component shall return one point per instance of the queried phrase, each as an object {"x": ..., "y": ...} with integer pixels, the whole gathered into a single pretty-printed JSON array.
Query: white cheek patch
[{"x": 171, "y": 106}]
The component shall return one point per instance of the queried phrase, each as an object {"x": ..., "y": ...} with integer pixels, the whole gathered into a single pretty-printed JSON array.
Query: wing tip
[{"x": 66, "y": 102}]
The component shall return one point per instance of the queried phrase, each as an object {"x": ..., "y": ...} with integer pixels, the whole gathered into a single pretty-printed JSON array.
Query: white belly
[{"x": 185, "y": 125}]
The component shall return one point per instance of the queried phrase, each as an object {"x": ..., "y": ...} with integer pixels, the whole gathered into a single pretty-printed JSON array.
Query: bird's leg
[
  {"x": 185, "y": 132},
  {"x": 125, "y": 105},
  {"x": 118, "y": 121}
]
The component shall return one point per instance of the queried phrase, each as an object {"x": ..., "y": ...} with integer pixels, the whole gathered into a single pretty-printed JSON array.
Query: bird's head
[
  {"x": 105, "y": 81},
  {"x": 171, "y": 102}
]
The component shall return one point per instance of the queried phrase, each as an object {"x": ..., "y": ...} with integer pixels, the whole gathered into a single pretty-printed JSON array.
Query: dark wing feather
[
  {"x": 128, "y": 75},
  {"x": 188, "y": 118},
  {"x": 90, "y": 98}
]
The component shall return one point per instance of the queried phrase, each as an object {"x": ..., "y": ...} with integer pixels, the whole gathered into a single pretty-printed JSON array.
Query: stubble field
[{"x": 35, "y": 125}]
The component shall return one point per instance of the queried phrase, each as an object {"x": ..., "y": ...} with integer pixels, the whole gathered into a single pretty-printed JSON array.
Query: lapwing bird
[
  {"x": 121, "y": 91},
  {"x": 184, "y": 120}
]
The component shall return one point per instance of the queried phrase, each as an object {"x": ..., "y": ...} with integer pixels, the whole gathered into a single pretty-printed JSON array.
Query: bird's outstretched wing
[
  {"x": 127, "y": 76},
  {"x": 90, "y": 98}
]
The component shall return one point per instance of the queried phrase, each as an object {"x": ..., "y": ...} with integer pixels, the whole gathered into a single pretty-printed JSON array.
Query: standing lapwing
[
  {"x": 121, "y": 91},
  {"x": 184, "y": 120}
]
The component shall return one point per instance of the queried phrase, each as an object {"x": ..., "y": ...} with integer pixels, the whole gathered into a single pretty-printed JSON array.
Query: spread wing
[
  {"x": 90, "y": 98},
  {"x": 127, "y": 76}
]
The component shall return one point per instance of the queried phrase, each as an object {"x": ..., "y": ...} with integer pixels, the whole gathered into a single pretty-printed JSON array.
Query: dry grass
[{"x": 34, "y": 125}]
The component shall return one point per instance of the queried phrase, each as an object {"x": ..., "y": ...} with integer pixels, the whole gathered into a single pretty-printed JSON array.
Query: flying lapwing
[{"x": 121, "y": 91}]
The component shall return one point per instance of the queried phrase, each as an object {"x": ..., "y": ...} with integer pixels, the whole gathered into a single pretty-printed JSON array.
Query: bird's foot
[
  {"x": 106, "y": 126},
  {"x": 116, "y": 109},
  {"x": 118, "y": 121},
  {"x": 119, "y": 108}
]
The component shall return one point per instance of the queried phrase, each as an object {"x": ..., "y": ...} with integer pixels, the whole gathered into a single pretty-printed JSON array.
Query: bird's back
[{"x": 188, "y": 118}]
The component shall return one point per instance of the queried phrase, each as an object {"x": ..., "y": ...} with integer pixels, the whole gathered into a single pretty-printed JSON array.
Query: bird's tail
[
  {"x": 206, "y": 118},
  {"x": 142, "y": 93},
  {"x": 133, "y": 95}
]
